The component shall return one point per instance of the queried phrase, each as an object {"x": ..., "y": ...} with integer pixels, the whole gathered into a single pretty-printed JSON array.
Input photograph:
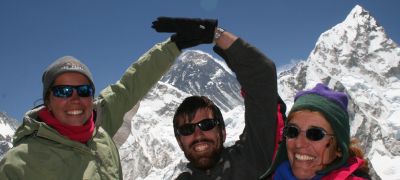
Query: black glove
[{"x": 189, "y": 32}]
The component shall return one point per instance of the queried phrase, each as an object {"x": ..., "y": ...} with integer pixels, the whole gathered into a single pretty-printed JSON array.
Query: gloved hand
[{"x": 189, "y": 32}]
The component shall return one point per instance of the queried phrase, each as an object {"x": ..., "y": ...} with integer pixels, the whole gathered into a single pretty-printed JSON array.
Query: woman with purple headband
[{"x": 316, "y": 140}]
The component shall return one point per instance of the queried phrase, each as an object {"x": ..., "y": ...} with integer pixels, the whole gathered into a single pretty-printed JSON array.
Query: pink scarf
[{"x": 81, "y": 134}]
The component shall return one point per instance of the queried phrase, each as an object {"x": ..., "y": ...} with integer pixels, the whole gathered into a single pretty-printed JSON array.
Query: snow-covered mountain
[
  {"x": 7, "y": 129},
  {"x": 355, "y": 56},
  {"x": 198, "y": 74}
]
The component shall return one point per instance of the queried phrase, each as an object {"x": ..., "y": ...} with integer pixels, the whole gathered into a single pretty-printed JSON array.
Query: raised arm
[
  {"x": 117, "y": 99},
  {"x": 257, "y": 76}
]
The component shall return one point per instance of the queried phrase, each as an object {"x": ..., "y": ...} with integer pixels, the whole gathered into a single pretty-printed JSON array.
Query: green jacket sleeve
[{"x": 115, "y": 100}]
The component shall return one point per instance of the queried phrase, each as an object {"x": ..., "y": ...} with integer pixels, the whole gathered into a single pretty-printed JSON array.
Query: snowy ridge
[
  {"x": 199, "y": 73},
  {"x": 205, "y": 56},
  {"x": 7, "y": 129}
]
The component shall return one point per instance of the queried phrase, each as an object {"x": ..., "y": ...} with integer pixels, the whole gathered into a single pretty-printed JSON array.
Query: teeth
[
  {"x": 74, "y": 112},
  {"x": 303, "y": 157},
  {"x": 200, "y": 147}
]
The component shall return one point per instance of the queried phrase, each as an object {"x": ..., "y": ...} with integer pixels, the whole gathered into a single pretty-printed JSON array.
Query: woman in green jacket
[{"x": 70, "y": 136}]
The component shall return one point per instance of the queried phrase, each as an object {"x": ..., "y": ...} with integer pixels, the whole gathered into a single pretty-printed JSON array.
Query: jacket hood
[{"x": 29, "y": 126}]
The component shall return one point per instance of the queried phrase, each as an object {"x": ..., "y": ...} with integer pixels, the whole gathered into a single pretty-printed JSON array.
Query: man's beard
[{"x": 207, "y": 160}]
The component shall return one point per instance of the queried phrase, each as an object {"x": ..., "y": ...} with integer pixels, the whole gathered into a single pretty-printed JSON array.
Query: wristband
[{"x": 218, "y": 33}]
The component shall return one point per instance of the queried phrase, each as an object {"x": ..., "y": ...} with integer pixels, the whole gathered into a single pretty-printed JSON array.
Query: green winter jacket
[{"x": 40, "y": 152}]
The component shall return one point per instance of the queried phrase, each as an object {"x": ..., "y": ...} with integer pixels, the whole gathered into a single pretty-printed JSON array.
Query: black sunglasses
[
  {"x": 65, "y": 91},
  {"x": 204, "y": 125},
  {"x": 313, "y": 133}
]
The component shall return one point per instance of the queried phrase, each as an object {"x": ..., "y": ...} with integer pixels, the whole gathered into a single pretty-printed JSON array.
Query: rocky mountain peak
[
  {"x": 360, "y": 16},
  {"x": 199, "y": 73}
]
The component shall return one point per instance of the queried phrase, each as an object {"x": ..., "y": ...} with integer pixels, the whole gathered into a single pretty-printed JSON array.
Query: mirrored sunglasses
[
  {"x": 65, "y": 91},
  {"x": 313, "y": 133},
  {"x": 204, "y": 125}
]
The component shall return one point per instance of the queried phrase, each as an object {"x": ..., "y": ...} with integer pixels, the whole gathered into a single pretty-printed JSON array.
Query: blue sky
[{"x": 109, "y": 35}]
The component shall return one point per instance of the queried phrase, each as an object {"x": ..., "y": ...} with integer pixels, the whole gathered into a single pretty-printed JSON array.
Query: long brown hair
[{"x": 356, "y": 151}]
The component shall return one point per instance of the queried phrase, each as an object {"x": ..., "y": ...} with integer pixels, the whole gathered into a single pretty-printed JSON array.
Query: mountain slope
[
  {"x": 197, "y": 73},
  {"x": 7, "y": 129}
]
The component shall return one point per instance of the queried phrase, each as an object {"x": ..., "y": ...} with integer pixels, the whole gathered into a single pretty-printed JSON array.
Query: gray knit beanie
[{"x": 62, "y": 65}]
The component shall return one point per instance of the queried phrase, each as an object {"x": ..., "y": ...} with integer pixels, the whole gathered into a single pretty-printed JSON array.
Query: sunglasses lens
[
  {"x": 62, "y": 91},
  {"x": 85, "y": 90},
  {"x": 207, "y": 124},
  {"x": 186, "y": 129},
  {"x": 204, "y": 125},
  {"x": 315, "y": 134},
  {"x": 291, "y": 132}
]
